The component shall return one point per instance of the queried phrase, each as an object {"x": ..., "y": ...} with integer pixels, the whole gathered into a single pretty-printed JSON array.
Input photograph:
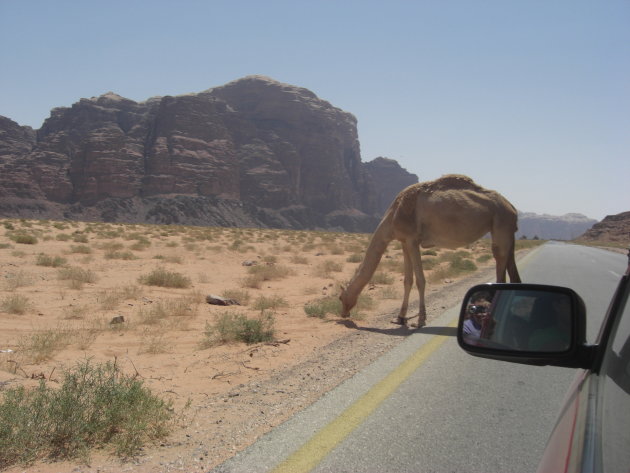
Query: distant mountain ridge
[
  {"x": 551, "y": 227},
  {"x": 254, "y": 152}
]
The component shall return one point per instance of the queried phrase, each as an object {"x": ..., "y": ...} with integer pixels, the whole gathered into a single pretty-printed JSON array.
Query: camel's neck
[{"x": 378, "y": 244}]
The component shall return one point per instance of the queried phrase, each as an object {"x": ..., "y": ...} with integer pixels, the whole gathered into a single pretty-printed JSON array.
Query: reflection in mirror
[{"x": 525, "y": 320}]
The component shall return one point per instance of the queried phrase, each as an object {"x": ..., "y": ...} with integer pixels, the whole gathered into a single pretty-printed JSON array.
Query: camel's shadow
[{"x": 402, "y": 330}]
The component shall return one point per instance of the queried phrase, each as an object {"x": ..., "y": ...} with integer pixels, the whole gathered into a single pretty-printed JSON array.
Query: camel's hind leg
[
  {"x": 511, "y": 267},
  {"x": 416, "y": 263},
  {"x": 500, "y": 259},
  {"x": 503, "y": 251},
  {"x": 408, "y": 281}
]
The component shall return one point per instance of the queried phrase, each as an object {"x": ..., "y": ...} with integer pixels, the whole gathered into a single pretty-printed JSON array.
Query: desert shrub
[
  {"x": 429, "y": 253},
  {"x": 389, "y": 293},
  {"x": 461, "y": 264},
  {"x": 160, "y": 310},
  {"x": 336, "y": 250},
  {"x": 484, "y": 257},
  {"x": 163, "y": 278},
  {"x": 44, "y": 344},
  {"x": 326, "y": 268},
  {"x": 381, "y": 277},
  {"x": 79, "y": 238},
  {"x": 393, "y": 265},
  {"x": 236, "y": 245},
  {"x": 355, "y": 258},
  {"x": 263, "y": 303},
  {"x": 110, "y": 298},
  {"x": 96, "y": 405},
  {"x": 170, "y": 258},
  {"x": 24, "y": 238},
  {"x": 111, "y": 246},
  {"x": 299, "y": 259},
  {"x": 123, "y": 255},
  {"x": 82, "y": 249},
  {"x": 322, "y": 307},
  {"x": 77, "y": 276},
  {"x": 365, "y": 302},
  {"x": 140, "y": 245},
  {"x": 152, "y": 314},
  {"x": 235, "y": 327},
  {"x": 15, "y": 304},
  {"x": 154, "y": 343},
  {"x": 18, "y": 279},
  {"x": 260, "y": 273},
  {"x": 51, "y": 261},
  {"x": 429, "y": 263},
  {"x": 75, "y": 312},
  {"x": 63, "y": 237},
  {"x": 131, "y": 291}
]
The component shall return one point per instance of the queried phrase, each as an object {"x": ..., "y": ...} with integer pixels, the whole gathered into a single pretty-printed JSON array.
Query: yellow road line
[{"x": 323, "y": 442}]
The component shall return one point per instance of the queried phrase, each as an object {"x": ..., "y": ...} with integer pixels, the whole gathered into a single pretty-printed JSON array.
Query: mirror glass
[{"x": 517, "y": 319}]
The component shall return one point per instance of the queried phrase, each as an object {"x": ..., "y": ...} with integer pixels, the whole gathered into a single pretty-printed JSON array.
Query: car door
[
  {"x": 592, "y": 433},
  {"x": 614, "y": 397}
]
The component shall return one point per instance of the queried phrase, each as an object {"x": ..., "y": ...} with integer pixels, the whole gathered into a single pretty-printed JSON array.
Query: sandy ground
[{"x": 227, "y": 395}]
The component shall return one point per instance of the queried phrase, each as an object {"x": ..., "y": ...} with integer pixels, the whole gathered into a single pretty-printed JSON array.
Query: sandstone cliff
[
  {"x": 613, "y": 229},
  {"x": 389, "y": 179},
  {"x": 254, "y": 152}
]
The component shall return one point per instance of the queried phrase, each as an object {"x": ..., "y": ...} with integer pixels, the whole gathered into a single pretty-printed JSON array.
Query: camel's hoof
[
  {"x": 399, "y": 321},
  {"x": 421, "y": 323}
]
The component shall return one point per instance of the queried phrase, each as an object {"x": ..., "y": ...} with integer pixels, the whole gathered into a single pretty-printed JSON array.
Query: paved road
[{"x": 426, "y": 406}]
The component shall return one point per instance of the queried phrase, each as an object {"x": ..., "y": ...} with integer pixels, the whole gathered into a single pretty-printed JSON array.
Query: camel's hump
[
  {"x": 444, "y": 183},
  {"x": 451, "y": 182},
  {"x": 405, "y": 201}
]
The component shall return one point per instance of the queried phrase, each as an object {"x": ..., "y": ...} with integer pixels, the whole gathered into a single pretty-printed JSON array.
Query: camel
[{"x": 449, "y": 212}]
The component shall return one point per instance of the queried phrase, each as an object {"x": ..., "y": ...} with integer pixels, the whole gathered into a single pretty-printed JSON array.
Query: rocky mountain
[
  {"x": 254, "y": 152},
  {"x": 613, "y": 229},
  {"x": 389, "y": 179},
  {"x": 549, "y": 227}
]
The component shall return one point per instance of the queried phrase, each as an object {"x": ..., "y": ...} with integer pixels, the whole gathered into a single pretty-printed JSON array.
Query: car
[{"x": 546, "y": 325}]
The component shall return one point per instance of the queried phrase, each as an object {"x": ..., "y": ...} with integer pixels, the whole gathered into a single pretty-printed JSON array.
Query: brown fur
[{"x": 449, "y": 212}]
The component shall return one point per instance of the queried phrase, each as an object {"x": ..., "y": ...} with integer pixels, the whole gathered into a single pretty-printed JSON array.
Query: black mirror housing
[{"x": 525, "y": 323}]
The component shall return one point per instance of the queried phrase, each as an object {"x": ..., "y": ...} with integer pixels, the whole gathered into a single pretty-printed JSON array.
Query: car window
[{"x": 616, "y": 399}]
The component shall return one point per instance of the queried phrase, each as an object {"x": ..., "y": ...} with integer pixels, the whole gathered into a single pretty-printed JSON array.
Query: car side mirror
[{"x": 524, "y": 323}]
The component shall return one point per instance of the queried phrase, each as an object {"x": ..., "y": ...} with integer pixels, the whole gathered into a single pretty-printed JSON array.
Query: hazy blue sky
[{"x": 528, "y": 97}]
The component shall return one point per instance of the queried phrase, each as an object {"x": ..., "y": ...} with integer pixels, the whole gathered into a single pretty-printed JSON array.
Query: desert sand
[{"x": 225, "y": 395}]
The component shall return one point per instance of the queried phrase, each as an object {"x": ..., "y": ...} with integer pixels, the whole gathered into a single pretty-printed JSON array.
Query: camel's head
[{"x": 347, "y": 302}]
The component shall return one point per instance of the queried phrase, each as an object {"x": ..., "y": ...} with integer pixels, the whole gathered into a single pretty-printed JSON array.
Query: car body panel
[{"x": 592, "y": 432}]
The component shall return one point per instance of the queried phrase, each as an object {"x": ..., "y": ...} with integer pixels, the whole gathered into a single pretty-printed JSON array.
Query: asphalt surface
[{"x": 426, "y": 406}]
